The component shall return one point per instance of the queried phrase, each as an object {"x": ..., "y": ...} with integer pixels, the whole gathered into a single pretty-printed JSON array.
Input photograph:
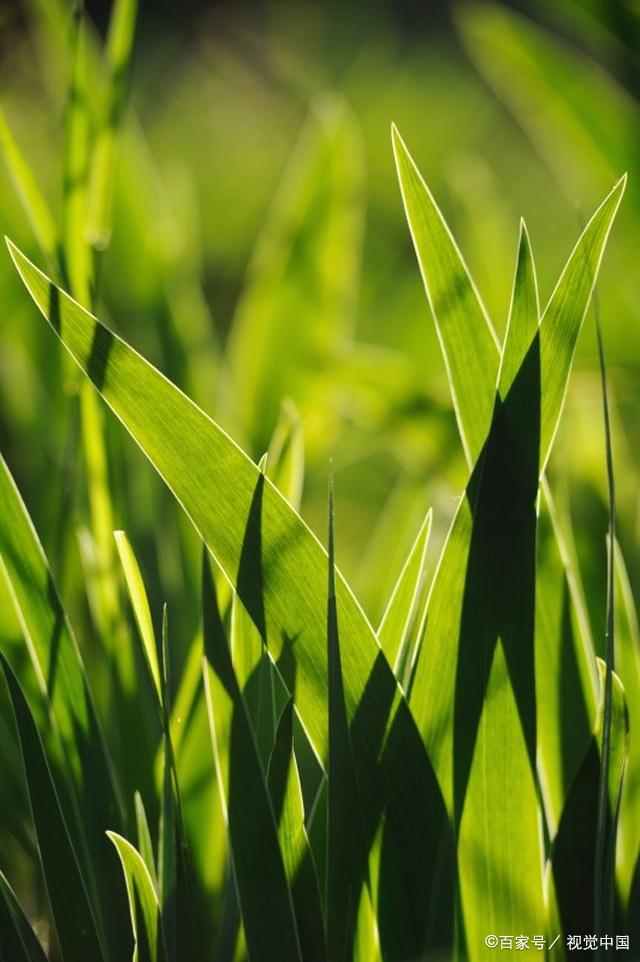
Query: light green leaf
[
  {"x": 143, "y": 903},
  {"x": 141, "y": 610},
  {"x": 404, "y": 608},
  {"x": 145, "y": 845},
  {"x": 499, "y": 855},
  {"x": 628, "y": 668},
  {"x": 466, "y": 336},
  {"x": 563, "y": 316}
]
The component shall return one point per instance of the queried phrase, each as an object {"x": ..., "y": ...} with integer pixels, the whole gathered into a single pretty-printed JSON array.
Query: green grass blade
[
  {"x": 605, "y": 844},
  {"x": 26, "y": 186},
  {"x": 279, "y": 570},
  {"x": 143, "y": 903},
  {"x": 72, "y": 913},
  {"x": 167, "y": 856},
  {"x": 466, "y": 336},
  {"x": 566, "y": 675},
  {"x": 103, "y": 161},
  {"x": 438, "y": 678},
  {"x": 145, "y": 845},
  {"x": 286, "y": 795},
  {"x": 627, "y": 633},
  {"x": 52, "y": 646},
  {"x": 346, "y": 852},
  {"x": 258, "y": 868},
  {"x": 490, "y": 705},
  {"x": 19, "y": 941},
  {"x": 404, "y": 604},
  {"x": 60, "y": 672},
  {"x": 567, "y": 307},
  {"x": 524, "y": 315},
  {"x": 141, "y": 610}
]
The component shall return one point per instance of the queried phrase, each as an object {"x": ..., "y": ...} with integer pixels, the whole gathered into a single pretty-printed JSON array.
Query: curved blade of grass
[
  {"x": 627, "y": 633},
  {"x": 256, "y": 679},
  {"x": 141, "y": 610},
  {"x": 567, "y": 307},
  {"x": 279, "y": 568},
  {"x": 174, "y": 871},
  {"x": 259, "y": 872},
  {"x": 605, "y": 843},
  {"x": 403, "y": 608},
  {"x": 34, "y": 204},
  {"x": 145, "y": 845},
  {"x": 466, "y": 336},
  {"x": 103, "y": 162},
  {"x": 143, "y": 903},
  {"x": 59, "y": 669},
  {"x": 346, "y": 852},
  {"x": 286, "y": 796},
  {"x": 19, "y": 941},
  {"x": 72, "y": 913}
]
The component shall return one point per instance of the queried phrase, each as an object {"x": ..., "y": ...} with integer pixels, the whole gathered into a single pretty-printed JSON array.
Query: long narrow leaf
[
  {"x": 403, "y": 608},
  {"x": 346, "y": 853},
  {"x": 465, "y": 332},
  {"x": 140, "y": 605},
  {"x": 286, "y": 795},
  {"x": 143, "y": 903},
  {"x": 60, "y": 671},
  {"x": 70, "y": 905},
  {"x": 259, "y": 872}
]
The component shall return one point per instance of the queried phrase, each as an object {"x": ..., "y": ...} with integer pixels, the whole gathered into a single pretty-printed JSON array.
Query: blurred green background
[{"x": 260, "y": 254}]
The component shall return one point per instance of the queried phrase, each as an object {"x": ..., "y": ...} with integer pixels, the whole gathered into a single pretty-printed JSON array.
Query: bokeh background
[{"x": 260, "y": 254}]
